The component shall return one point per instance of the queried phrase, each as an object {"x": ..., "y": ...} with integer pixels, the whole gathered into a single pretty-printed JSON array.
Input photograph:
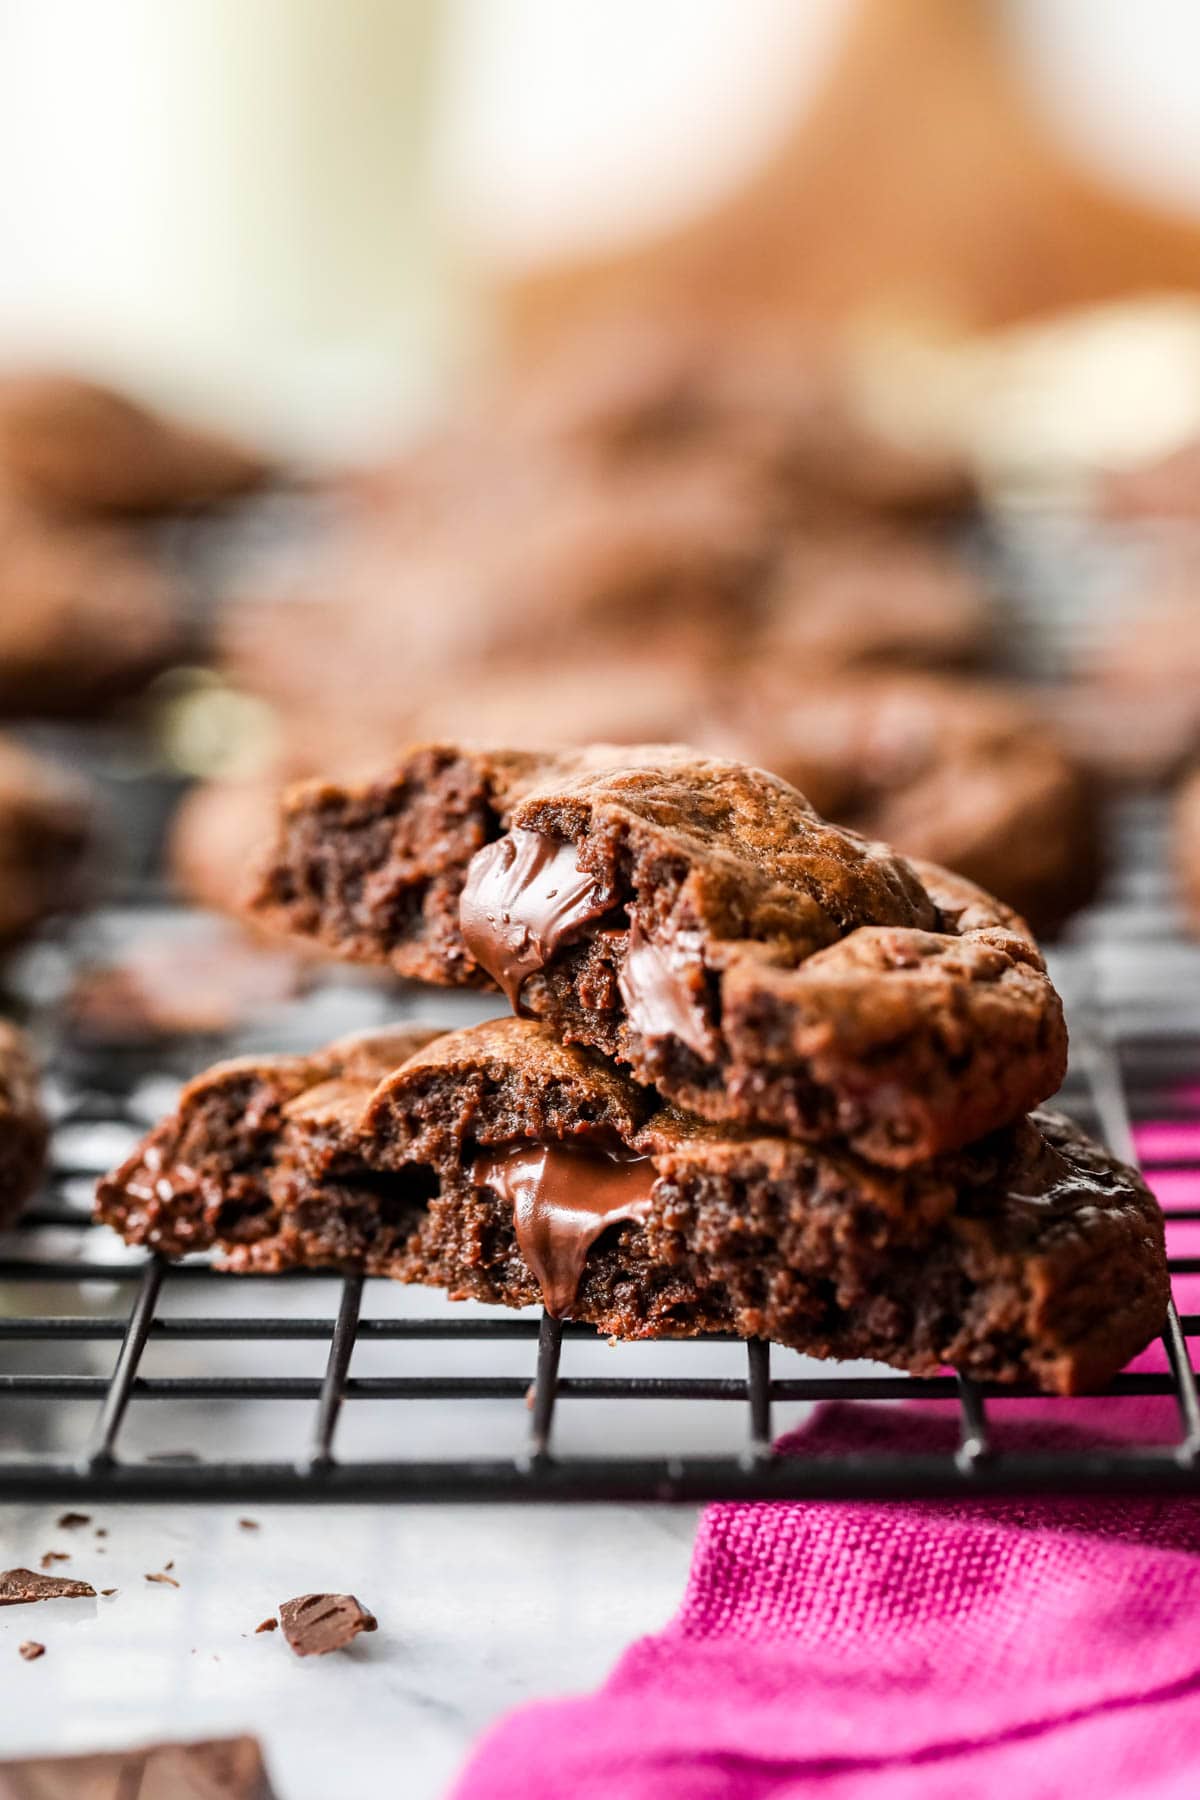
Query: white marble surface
[{"x": 479, "y": 1610}]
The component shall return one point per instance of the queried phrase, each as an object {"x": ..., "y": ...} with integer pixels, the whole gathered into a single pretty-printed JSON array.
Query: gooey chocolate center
[
  {"x": 524, "y": 896},
  {"x": 563, "y": 1198}
]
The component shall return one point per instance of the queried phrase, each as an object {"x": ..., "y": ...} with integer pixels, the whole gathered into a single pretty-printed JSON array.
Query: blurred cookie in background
[
  {"x": 956, "y": 772},
  {"x": 881, "y": 596},
  {"x": 203, "y": 979},
  {"x": 1187, "y": 847},
  {"x": 46, "y": 838},
  {"x": 675, "y": 567},
  {"x": 1134, "y": 715},
  {"x": 1166, "y": 487},
  {"x": 72, "y": 445},
  {"x": 23, "y": 1129},
  {"x": 216, "y": 833},
  {"x": 629, "y": 387},
  {"x": 87, "y": 614}
]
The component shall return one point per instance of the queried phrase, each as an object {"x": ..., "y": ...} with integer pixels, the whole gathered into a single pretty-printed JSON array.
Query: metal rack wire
[{"x": 1128, "y": 1065}]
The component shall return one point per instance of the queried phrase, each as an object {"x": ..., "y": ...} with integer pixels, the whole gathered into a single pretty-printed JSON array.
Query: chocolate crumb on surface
[
  {"x": 271, "y": 1624},
  {"x": 70, "y": 1521},
  {"x": 52, "y": 1556},
  {"x": 108, "y": 1592},
  {"x": 315, "y": 1624},
  {"x": 21, "y": 1587},
  {"x": 231, "y": 1768},
  {"x": 249, "y": 1524},
  {"x": 163, "y": 1578},
  {"x": 30, "y": 1650}
]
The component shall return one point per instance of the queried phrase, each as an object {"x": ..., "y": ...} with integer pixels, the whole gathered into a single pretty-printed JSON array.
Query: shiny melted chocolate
[
  {"x": 563, "y": 1198},
  {"x": 525, "y": 895},
  {"x": 662, "y": 987}
]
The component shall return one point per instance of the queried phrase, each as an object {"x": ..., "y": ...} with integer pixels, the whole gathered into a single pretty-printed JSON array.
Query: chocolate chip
[
  {"x": 315, "y": 1624},
  {"x": 31, "y": 1650},
  {"x": 267, "y": 1625},
  {"x": 21, "y": 1587},
  {"x": 71, "y": 1521},
  {"x": 108, "y": 1591}
]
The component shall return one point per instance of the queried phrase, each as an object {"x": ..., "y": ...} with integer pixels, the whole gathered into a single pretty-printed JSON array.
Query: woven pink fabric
[{"x": 903, "y": 1652}]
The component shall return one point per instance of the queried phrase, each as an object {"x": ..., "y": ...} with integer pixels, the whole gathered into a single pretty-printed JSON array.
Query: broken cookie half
[
  {"x": 499, "y": 1164},
  {"x": 695, "y": 920}
]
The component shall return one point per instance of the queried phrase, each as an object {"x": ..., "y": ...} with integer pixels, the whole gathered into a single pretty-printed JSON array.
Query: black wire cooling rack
[{"x": 80, "y": 1317}]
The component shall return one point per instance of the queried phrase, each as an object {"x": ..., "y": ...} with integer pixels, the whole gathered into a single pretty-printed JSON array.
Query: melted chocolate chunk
[
  {"x": 562, "y": 1199},
  {"x": 662, "y": 985},
  {"x": 315, "y": 1624},
  {"x": 524, "y": 896}
]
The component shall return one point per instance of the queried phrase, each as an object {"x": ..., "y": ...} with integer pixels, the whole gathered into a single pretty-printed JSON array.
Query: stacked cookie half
[{"x": 761, "y": 1076}]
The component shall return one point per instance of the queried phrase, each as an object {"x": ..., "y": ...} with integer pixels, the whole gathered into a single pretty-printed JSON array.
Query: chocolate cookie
[
  {"x": 23, "y": 1131},
  {"x": 76, "y": 445},
  {"x": 867, "y": 598},
  {"x": 951, "y": 771},
  {"x": 1187, "y": 846},
  {"x": 208, "y": 1173},
  {"x": 695, "y": 919},
  {"x": 86, "y": 614},
  {"x": 45, "y": 835},
  {"x": 506, "y": 1167}
]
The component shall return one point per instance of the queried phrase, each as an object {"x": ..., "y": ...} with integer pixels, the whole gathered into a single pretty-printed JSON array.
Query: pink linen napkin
[{"x": 1033, "y": 1650}]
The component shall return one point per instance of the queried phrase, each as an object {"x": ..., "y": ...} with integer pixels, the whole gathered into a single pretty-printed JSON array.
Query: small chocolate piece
[
  {"x": 71, "y": 1521},
  {"x": 54, "y": 1556},
  {"x": 163, "y": 1578},
  {"x": 21, "y": 1587},
  {"x": 563, "y": 1198},
  {"x": 722, "y": 883},
  {"x": 30, "y": 1650},
  {"x": 271, "y": 1624},
  {"x": 213, "y": 1769},
  {"x": 315, "y": 1624},
  {"x": 249, "y": 1524},
  {"x": 108, "y": 1592}
]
